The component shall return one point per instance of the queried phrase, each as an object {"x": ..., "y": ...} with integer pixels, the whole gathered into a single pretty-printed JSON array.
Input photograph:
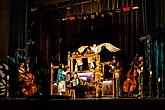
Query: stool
[{"x": 72, "y": 93}]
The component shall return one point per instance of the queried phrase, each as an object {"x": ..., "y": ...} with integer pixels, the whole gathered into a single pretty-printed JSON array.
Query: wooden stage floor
[{"x": 64, "y": 103}]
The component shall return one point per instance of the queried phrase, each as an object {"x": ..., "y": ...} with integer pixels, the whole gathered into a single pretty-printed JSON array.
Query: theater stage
[{"x": 64, "y": 103}]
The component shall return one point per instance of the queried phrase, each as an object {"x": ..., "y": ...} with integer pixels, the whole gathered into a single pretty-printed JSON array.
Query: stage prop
[{"x": 92, "y": 79}]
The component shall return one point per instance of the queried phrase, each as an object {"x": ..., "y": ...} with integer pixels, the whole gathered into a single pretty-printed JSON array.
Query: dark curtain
[
  {"x": 54, "y": 37},
  {"x": 154, "y": 25},
  {"x": 17, "y": 40}
]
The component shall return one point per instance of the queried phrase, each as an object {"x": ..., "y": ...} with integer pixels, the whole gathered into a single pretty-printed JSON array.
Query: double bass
[
  {"x": 130, "y": 84},
  {"x": 29, "y": 88}
]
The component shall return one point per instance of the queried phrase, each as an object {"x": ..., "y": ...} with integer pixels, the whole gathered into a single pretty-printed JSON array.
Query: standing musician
[
  {"x": 140, "y": 75},
  {"x": 76, "y": 85},
  {"x": 130, "y": 84},
  {"x": 61, "y": 80},
  {"x": 79, "y": 62},
  {"x": 26, "y": 80}
]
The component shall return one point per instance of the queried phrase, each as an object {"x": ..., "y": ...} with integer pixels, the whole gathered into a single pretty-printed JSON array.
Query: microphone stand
[
  {"x": 162, "y": 86},
  {"x": 150, "y": 85},
  {"x": 158, "y": 89}
]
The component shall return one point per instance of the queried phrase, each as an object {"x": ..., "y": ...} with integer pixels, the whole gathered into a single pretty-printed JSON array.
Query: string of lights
[{"x": 101, "y": 14}]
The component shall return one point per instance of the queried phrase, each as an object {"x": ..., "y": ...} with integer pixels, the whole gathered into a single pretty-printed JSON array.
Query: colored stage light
[
  {"x": 126, "y": 8},
  {"x": 72, "y": 18},
  {"x": 135, "y": 8},
  {"x": 117, "y": 10},
  {"x": 79, "y": 17}
]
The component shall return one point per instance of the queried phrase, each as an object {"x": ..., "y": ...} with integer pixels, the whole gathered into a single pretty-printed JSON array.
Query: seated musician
[
  {"x": 79, "y": 91},
  {"x": 68, "y": 80},
  {"x": 79, "y": 62}
]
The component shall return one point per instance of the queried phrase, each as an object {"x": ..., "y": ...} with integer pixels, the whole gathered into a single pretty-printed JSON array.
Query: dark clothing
[{"x": 105, "y": 55}]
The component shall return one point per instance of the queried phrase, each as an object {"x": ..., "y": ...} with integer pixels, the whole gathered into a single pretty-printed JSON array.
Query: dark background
[{"x": 54, "y": 38}]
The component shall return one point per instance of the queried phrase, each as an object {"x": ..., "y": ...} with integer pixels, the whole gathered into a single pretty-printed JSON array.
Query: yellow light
[{"x": 158, "y": 79}]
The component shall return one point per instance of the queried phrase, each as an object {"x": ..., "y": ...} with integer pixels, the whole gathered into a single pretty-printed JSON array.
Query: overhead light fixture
[
  {"x": 117, "y": 10},
  {"x": 97, "y": 14},
  {"x": 126, "y": 8},
  {"x": 102, "y": 15},
  {"x": 92, "y": 16},
  {"x": 79, "y": 17},
  {"x": 63, "y": 19},
  {"x": 135, "y": 8},
  {"x": 72, "y": 18},
  {"x": 110, "y": 13},
  {"x": 85, "y": 18}
]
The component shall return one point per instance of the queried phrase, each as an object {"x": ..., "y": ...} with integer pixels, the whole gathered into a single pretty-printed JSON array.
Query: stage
[{"x": 60, "y": 102}]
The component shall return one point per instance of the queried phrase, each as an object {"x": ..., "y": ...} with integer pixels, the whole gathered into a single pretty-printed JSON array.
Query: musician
[
  {"x": 117, "y": 72},
  {"x": 61, "y": 79},
  {"x": 22, "y": 70},
  {"x": 26, "y": 80},
  {"x": 76, "y": 85},
  {"x": 79, "y": 62},
  {"x": 140, "y": 75}
]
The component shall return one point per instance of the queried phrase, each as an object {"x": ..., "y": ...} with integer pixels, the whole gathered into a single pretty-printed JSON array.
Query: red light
[
  {"x": 127, "y": 9},
  {"x": 72, "y": 18}
]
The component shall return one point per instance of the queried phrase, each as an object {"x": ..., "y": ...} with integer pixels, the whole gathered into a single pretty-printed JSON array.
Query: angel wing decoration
[
  {"x": 81, "y": 49},
  {"x": 109, "y": 46}
]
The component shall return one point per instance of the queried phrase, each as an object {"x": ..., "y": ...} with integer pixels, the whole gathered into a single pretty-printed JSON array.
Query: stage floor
[{"x": 64, "y": 103}]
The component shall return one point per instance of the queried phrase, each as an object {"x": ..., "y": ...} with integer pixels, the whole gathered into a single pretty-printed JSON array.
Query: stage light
[
  {"x": 92, "y": 16},
  {"x": 135, "y": 8},
  {"x": 63, "y": 19},
  {"x": 102, "y": 15},
  {"x": 85, "y": 18},
  {"x": 79, "y": 17},
  {"x": 97, "y": 14},
  {"x": 110, "y": 13},
  {"x": 117, "y": 10},
  {"x": 72, "y": 18},
  {"x": 66, "y": 18},
  {"x": 126, "y": 8}
]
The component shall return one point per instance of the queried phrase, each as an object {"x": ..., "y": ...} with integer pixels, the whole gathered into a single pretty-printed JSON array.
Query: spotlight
[
  {"x": 85, "y": 18},
  {"x": 126, "y": 8},
  {"x": 97, "y": 14},
  {"x": 79, "y": 17},
  {"x": 117, "y": 10},
  {"x": 102, "y": 15},
  {"x": 134, "y": 8},
  {"x": 72, "y": 18},
  {"x": 109, "y": 13},
  {"x": 92, "y": 16},
  {"x": 63, "y": 19}
]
